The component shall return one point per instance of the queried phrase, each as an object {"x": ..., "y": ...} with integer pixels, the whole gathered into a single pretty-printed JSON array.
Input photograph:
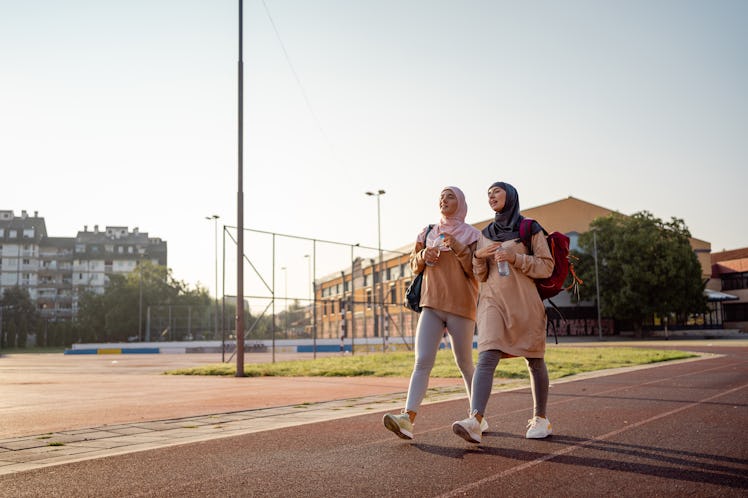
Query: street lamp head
[{"x": 379, "y": 192}]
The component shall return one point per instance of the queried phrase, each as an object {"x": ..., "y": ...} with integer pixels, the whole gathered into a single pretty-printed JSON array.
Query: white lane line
[{"x": 519, "y": 468}]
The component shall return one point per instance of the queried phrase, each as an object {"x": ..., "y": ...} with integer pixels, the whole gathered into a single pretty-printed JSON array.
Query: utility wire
[{"x": 298, "y": 80}]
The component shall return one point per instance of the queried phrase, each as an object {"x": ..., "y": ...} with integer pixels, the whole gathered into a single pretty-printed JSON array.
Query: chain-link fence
[{"x": 298, "y": 288}]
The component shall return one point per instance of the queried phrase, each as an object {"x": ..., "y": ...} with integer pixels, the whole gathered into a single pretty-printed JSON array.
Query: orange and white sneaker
[
  {"x": 538, "y": 428},
  {"x": 399, "y": 424}
]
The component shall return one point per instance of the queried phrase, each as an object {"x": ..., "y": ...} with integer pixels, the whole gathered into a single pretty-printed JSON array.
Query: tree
[
  {"x": 18, "y": 317},
  {"x": 646, "y": 267},
  {"x": 115, "y": 315}
]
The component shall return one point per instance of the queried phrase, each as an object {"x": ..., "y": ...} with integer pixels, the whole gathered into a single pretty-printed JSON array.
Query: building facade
[
  {"x": 56, "y": 271},
  {"x": 730, "y": 281}
]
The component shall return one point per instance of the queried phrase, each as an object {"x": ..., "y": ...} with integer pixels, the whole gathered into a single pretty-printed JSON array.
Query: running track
[{"x": 673, "y": 430}]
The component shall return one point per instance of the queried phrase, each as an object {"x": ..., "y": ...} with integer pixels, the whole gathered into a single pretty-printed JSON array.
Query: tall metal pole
[
  {"x": 308, "y": 258},
  {"x": 285, "y": 300},
  {"x": 597, "y": 287},
  {"x": 215, "y": 252},
  {"x": 140, "y": 299},
  {"x": 380, "y": 310},
  {"x": 314, "y": 299},
  {"x": 352, "y": 325},
  {"x": 223, "y": 294},
  {"x": 240, "y": 208}
]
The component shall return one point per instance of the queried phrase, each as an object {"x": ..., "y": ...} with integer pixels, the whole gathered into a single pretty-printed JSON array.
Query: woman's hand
[
  {"x": 488, "y": 251},
  {"x": 504, "y": 254},
  {"x": 431, "y": 255},
  {"x": 448, "y": 239}
]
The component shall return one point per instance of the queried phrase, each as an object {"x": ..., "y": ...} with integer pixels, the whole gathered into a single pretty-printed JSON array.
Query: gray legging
[
  {"x": 429, "y": 334},
  {"x": 483, "y": 381}
]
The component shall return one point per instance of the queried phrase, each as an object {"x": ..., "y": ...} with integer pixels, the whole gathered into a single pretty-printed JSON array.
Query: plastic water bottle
[
  {"x": 503, "y": 266},
  {"x": 437, "y": 242}
]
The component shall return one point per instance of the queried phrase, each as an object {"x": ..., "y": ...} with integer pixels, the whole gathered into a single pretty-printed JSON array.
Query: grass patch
[
  {"x": 55, "y": 443},
  {"x": 561, "y": 362}
]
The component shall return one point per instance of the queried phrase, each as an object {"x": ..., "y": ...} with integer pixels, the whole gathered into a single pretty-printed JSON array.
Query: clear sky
[{"x": 124, "y": 113}]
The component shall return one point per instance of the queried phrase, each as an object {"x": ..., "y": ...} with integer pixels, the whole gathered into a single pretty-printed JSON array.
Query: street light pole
[
  {"x": 140, "y": 300},
  {"x": 285, "y": 300},
  {"x": 597, "y": 286},
  {"x": 378, "y": 194},
  {"x": 141, "y": 253},
  {"x": 215, "y": 252},
  {"x": 240, "y": 204},
  {"x": 309, "y": 266}
]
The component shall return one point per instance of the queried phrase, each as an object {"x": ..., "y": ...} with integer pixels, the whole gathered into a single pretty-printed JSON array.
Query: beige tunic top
[
  {"x": 449, "y": 285},
  {"x": 511, "y": 315}
]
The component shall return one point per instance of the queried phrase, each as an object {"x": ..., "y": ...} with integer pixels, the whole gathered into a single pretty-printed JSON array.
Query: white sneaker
[
  {"x": 483, "y": 425},
  {"x": 538, "y": 428},
  {"x": 468, "y": 429},
  {"x": 399, "y": 424}
]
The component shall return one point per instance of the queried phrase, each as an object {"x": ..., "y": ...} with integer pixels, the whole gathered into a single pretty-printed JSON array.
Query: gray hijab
[{"x": 505, "y": 225}]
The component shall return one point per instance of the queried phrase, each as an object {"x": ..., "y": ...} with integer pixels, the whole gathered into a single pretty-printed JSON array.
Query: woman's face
[
  {"x": 496, "y": 198},
  {"x": 448, "y": 203}
]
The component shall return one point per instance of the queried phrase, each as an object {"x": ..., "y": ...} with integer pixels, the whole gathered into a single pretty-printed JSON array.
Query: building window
[
  {"x": 368, "y": 298},
  {"x": 393, "y": 294},
  {"x": 736, "y": 312},
  {"x": 733, "y": 281}
]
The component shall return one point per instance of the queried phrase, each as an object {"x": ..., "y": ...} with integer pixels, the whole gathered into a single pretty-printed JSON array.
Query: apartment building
[{"x": 56, "y": 271}]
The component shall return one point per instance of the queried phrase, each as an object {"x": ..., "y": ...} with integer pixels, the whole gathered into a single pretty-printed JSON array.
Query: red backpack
[{"x": 559, "y": 246}]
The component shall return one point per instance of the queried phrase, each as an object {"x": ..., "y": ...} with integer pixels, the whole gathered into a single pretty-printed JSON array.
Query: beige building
[{"x": 730, "y": 284}]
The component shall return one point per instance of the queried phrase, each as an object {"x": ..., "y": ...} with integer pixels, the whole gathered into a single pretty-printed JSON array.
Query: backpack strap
[{"x": 525, "y": 232}]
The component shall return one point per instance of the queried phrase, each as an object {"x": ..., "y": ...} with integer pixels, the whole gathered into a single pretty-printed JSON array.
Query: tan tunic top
[
  {"x": 511, "y": 315},
  {"x": 449, "y": 285}
]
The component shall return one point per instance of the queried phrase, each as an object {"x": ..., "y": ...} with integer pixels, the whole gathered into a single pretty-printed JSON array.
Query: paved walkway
[{"x": 35, "y": 451}]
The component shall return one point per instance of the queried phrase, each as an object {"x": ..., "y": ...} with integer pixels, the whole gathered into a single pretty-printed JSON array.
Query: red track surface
[{"x": 673, "y": 430}]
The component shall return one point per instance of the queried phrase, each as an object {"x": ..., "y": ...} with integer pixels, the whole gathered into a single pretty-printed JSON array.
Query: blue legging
[
  {"x": 483, "y": 382},
  {"x": 429, "y": 334}
]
